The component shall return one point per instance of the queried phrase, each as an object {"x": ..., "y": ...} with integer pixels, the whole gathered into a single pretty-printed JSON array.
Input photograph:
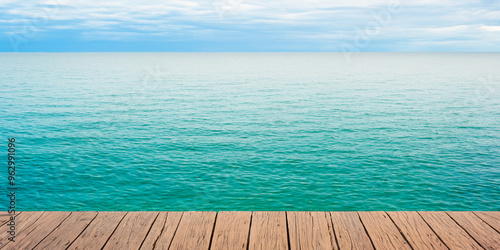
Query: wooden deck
[{"x": 253, "y": 230}]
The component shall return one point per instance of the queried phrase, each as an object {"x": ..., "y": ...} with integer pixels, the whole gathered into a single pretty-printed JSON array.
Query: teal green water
[{"x": 253, "y": 131}]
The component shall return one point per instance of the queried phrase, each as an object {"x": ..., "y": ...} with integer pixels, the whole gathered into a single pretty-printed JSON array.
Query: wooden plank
[
  {"x": 350, "y": 231},
  {"x": 310, "y": 230},
  {"x": 155, "y": 231},
  {"x": 448, "y": 231},
  {"x": 231, "y": 231},
  {"x": 29, "y": 236},
  {"x": 268, "y": 231},
  {"x": 194, "y": 231},
  {"x": 492, "y": 218},
  {"x": 382, "y": 231},
  {"x": 486, "y": 236},
  {"x": 67, "y": 232},
  {"x": 5, "y": 217},
  {"x": 99, "y": 231},
  {"x": 23, "y": 220},
  {"x": 416, "y": 231},
  {"x": 132, "y": 231},
  {"x": 161, "y": 234}
]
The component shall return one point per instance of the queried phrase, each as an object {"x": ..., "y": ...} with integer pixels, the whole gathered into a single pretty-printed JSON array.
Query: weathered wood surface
[
  {"x": 491, "y": 218},
  {"x": 451, "y": 233},
  {"x": 252, "y": 230},
  {"x": 476, "y": 228},
  {"x": 382, "y": 231},
  {"x": 311, "y": 230},
  {"x": 194, "y": 231},
  {"x": 231, "y": 231},
  {"x": 416, "y": 231},
  {"x": 64, "y": 234},
  {"x": 162, "y": 232},
  {"x": 132, "y": 231},
  {"x": 349, "y": 231},
  {"x": 268, "y": 231},
  {"x": 98, "y": 232}
]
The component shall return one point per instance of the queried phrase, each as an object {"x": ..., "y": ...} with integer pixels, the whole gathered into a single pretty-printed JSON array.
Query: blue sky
[{"x": 250, "y": 25}]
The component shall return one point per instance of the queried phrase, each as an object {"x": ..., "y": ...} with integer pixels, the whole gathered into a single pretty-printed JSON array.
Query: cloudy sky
[{"x": 250, "y": 25}]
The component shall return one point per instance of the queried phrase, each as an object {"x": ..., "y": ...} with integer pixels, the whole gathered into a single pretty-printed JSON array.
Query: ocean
[{"x": 252, "y": 131}]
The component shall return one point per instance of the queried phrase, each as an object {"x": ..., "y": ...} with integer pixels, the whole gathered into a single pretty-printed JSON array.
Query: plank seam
[
  {"x": 177, "y": 227},
  {"x": 432, "y": 229},
  {"x": 70, "y": 213},
  {"x": 465, "y": 230},
  {"x": 333, "y": 230},
  {"x": 9, "y": 218},
  {"x": 400, "y": 231},
  {"x": 287, "y": 230},
  {"x": 111, "y": 235},
  {"x": 97, "y": 213},
  {"x": 146, "y": 236},
  {"x": 485, "y": 222},
  {"x": 249, "y": 230},
  {"x": 366, "y": 231},
  {"x": 161, "y": 231},
  {"x": 32, "y": 224},
  {"x": 213, "y": 231}
]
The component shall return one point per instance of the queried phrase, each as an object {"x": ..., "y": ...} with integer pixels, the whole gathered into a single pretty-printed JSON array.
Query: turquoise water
[{"x": 253, "y": 131}]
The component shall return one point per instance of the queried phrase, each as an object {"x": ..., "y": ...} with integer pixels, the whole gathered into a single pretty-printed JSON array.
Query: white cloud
[
  {"x": 308, "y": 20},
  {"x": 451, "y": 29},
  {"x": 490, "y": 28}
]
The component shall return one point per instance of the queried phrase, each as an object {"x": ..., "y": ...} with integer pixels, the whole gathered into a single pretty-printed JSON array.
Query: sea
[{"x": 251, "y": 131}]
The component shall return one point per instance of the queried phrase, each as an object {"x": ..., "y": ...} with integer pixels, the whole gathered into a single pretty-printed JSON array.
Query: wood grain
[
  {"x": 22, "y": 221},
  {"x": 382, "y": 231},
  {"x": 99, "y": 231},
  {"x": 416, "y": 231},
  {"x": 30, "y": 235},
  {"x": 492, "y": 218},
  {"x": 5, "y": 217},
  {"x": 268, "y": 231},
  {"x": 132, "y": 231},
  {"x": 486, "y": 236},
  {"x": 231, "y": 231},
  {"x": 194, "y": 231},
  {"x": 450, "y": 232},
  {"x": 66, "y": 233},
  {"x": 310, "y": 230},
  {"x": 349, "y": 231},
  {"x": 161, "y": 234},
  {"x": 257, "y": 230}
]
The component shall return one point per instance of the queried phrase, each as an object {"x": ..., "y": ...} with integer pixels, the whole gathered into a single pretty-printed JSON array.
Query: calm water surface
[{"x": 252, "y": 131}]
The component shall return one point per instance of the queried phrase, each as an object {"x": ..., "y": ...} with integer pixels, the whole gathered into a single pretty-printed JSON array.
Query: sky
[{"x": 250, "y": 25}]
